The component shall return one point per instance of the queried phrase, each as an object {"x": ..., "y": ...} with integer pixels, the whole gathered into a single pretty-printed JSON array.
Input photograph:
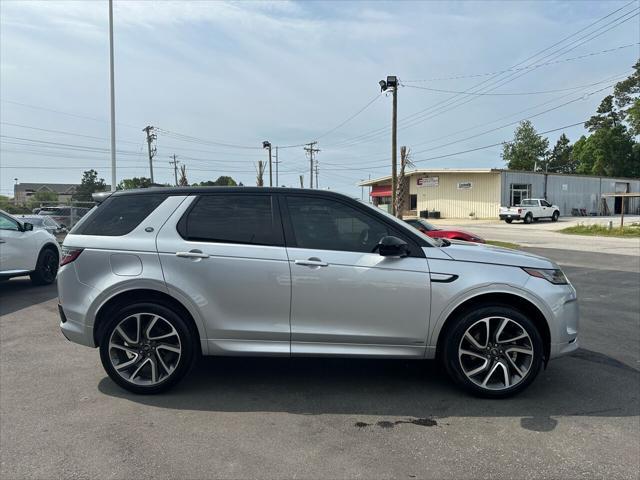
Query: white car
[
  {"x": 530, "y": 210},
  {"x": 25, "y": 251}
]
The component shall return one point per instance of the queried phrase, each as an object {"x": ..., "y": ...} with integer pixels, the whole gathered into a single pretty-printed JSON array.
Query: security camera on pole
[{"x": 391, "y": 83}]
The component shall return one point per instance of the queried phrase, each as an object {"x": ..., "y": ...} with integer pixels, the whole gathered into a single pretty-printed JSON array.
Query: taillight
[
  {"x": 519, "y": 210},
  {"x": 69, "y": 255}
]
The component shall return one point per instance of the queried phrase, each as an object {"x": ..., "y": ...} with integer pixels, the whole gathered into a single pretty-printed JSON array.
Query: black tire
[
  {"x": 555, "y": 216},
  {"x": 528, "y": 218},
  {"x": 46, "y": 267},
  {"x": 508, "y": 220},
  {"x": 452, "y": 341},
  {"x": 187, "y": 339}
]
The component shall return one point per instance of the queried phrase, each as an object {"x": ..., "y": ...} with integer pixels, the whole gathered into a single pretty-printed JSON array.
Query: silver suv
[{"x": 157, "y": 277}]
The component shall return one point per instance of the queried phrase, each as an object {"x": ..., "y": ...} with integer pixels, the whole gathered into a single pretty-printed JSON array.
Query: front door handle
[
  {"x": 312, "y": 262},
  {"x": 192, "y": 254}
]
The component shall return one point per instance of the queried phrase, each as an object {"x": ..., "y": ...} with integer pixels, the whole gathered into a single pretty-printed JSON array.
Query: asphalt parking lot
[{"x": 319, "y": 418}]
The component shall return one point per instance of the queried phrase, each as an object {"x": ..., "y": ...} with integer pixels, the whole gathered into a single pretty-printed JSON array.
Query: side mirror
[
  {"x": 27, "y": 227},
  {"x": 392, "y": 247}
]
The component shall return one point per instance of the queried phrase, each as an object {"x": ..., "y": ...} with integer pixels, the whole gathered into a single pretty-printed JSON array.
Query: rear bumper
[
  {"x": 74, "y": 298},
  {"x": 510, "y": 216}
]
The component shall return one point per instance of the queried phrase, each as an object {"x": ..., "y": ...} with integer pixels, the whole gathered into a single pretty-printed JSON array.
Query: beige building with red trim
[{"x": 479, "y": 192}]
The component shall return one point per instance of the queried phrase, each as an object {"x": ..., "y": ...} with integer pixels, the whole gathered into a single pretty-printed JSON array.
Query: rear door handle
[
  {"x": 192, "y": 254},
  {"x": 312, "y": 262}
]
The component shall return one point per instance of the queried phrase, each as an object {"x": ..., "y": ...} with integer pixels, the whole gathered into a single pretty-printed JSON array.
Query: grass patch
[
  {"x": 498, "y": 243},
  {"x": 632, "y": 230}
]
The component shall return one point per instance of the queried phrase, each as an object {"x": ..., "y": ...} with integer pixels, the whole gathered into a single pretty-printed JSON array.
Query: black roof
[{"x": 100, "y": 197}]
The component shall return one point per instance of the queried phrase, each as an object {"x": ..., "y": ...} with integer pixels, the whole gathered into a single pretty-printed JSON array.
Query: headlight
[{"x": 553, "y": 275}]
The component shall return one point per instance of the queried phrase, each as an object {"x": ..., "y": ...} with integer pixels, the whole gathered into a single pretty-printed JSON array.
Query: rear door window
[
  {"x": 233, "y": 218},
  {"x": 118, "y": 215}
]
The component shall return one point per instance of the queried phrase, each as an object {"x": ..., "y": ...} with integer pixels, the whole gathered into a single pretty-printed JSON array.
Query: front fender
[{"x": 490, "y": 288}]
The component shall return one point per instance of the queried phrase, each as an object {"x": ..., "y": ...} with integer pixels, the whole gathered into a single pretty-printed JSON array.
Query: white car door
[
  {"x": 16, "y": 247},
  {"x": 345, "y": 298}
]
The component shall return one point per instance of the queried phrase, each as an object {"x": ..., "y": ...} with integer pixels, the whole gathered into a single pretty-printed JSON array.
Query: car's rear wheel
[
  {"x": 146, "y": 348},
  {"x": 46, "y": 267},
  {"x": 508, "y": 220},
  {"x": 555, "y": 216},
  {"x": 528, "y": 218},
  {"x": 493, "y": 351}
]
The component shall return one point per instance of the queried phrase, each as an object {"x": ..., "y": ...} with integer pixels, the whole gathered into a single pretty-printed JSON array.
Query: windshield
[{"x": 426, "y": 225}]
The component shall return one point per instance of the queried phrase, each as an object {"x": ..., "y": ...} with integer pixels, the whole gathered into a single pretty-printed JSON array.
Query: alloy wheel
[
  {"x": 496, "y": 353},
  {"x": 49, "y": 266},
  {"x": 145, "y": 349}
]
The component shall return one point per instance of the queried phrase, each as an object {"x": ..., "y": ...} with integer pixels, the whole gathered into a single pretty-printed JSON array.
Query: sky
[{"x": 216, "y": 79}]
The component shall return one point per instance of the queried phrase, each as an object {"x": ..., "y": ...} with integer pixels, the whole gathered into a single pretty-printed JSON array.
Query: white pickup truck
[{"x": 530, "y": 210}]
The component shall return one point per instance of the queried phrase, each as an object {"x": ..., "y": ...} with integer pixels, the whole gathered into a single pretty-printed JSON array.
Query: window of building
[
  {"x": 323, "y": 224},
  {"x": 518, "y": 192},
  {"x": 413, "y": 202},
  {"x": 241, "y": 218}
]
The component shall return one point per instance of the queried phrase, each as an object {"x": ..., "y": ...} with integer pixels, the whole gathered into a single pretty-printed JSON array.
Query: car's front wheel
[
  {"x": 493, "y": 351},
  {"x": 555, "y": 216},
  {"x": 146, "y": 348}
]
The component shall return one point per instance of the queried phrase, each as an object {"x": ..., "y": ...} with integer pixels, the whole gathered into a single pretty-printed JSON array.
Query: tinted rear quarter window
[
  {"x": 118, "y": 215},
  {"x": 241, "y": 218}
]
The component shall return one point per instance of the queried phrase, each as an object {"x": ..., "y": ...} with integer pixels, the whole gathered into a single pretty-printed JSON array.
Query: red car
[{"x": 435, "y": 232}]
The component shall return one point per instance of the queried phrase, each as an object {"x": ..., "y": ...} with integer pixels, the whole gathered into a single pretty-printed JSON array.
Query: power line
[
  {"x": 557, "y": 90},
  {"x": 555, "y": 62},
  {"x": 429, "y": 112},
  {"x": 372, "y": 167},
  {"x": 62, "y": 132}
]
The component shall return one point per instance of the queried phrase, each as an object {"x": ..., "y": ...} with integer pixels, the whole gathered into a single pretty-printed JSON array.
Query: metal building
[{"x": 464, "y": 193}]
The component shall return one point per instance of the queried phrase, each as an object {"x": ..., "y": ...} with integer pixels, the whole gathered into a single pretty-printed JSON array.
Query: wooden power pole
[
  {"x": 310, "y": 149},
  {"x": 150, "y": 148},
  {"x": 175, "y": 167}
]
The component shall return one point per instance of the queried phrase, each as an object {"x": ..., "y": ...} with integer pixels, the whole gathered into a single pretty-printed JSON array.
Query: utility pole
[
  {"x": 301, "y": 181},
  {"x": 277, "y": 162},
  {"x": 310, "y": 149},
  {"x": 267, "y": 145},
  {"x": 317, "y": 182},
  {"x": 392, "y": 83},
  {"x": 151, "y": 149},
  {"x": 113, "y": 100},
  {"x": 175, "y": 167}
]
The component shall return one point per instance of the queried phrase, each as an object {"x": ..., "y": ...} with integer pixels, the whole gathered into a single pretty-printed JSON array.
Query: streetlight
[{"x": 266, "y": 144}]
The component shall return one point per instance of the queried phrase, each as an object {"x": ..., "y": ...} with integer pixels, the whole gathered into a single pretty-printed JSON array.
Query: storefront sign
[
  {"x": 465, "y": 185},
  {"x": 428, "y": 181}
]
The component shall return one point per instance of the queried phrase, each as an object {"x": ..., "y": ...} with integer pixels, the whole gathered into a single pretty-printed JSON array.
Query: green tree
[
  {"x": 526, "y": 149},
  {"x": 627, "y": 95},
  {"x": 89, "y": 184},
  {"x": 41, "y": 197},
  {"x": 222, "y": 181},
  {"x": 608, "y": 152},
  {"x": 606, "y": 117},
  {"x": 560, "y": 160},
  {"x": 135, "y": 182}
]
